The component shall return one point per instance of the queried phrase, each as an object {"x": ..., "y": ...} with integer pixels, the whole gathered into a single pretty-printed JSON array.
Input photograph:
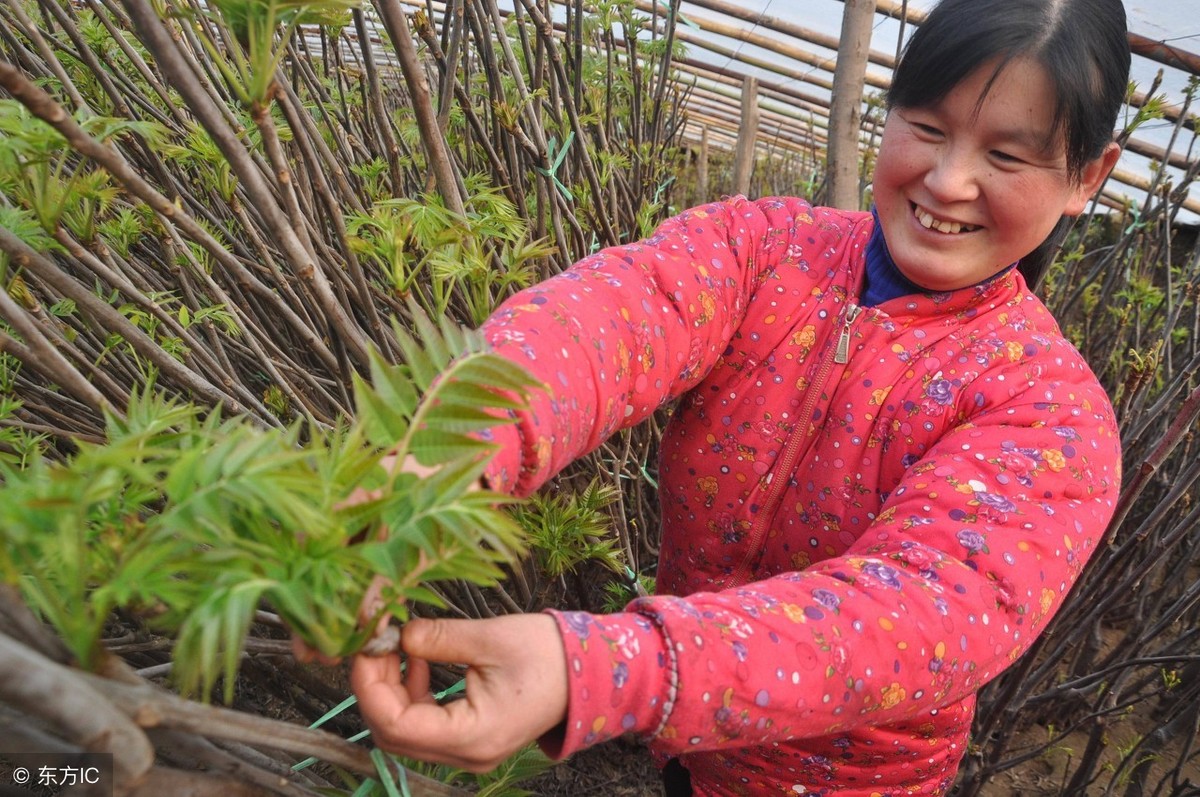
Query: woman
[{"x": 886, "y": 469}]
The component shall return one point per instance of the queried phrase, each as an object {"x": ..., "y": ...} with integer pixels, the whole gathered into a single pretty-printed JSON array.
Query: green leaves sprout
[
  {"x": 191, "y": 521},
  {"x": 262, "y": 29}
]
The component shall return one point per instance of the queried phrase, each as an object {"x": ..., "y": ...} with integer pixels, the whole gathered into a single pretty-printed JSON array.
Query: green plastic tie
[
  {"x": 646, "y": 475},
  {"x": 666, "y": 184},
  {"x": 350, "y": 701},
  {"x": 1137, "y": 223},
  {"x": 333, "y": 712},
  {"x": 452, "y": 690},
  {"x": 557, "y": 158},
  {"x": 679, "y": 17},
  {"x": 308, "y": 762}
]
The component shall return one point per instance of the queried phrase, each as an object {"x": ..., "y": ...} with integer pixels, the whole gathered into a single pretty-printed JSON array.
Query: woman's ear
[{"x": 1094, "y": 172}]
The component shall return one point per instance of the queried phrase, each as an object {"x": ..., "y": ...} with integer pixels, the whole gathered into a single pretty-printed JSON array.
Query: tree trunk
[
  {"x": 743, "y": 168},
  {"x": 845, "y": 116}
]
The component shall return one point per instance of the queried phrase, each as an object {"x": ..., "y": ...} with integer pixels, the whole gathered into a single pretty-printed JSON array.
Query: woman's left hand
[{"x": 516, "y": 690}]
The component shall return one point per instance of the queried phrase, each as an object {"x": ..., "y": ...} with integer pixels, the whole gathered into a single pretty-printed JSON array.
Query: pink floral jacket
[{"x": 868, "y": 513}]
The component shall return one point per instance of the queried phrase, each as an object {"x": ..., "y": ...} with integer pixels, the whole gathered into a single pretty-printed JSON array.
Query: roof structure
[{"x": 792, "y": 65}]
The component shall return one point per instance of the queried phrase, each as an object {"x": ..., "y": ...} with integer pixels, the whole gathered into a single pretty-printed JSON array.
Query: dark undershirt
[{"x": 883, "y": 280}]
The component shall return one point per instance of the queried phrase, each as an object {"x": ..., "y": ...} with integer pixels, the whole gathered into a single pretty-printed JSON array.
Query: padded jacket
[{"x": 867, "y": 513}]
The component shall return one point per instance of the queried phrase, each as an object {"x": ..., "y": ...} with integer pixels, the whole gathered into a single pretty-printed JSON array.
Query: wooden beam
[
  {"x": 797, "y": 133},
  {"x": 783, "y": 112},
  {"x": 782, "y": 91},
  {"x": 1145, "y": 184}
]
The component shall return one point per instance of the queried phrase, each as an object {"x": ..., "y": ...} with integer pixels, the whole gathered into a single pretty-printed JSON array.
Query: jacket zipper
[
  {"x": 775, "y": 490},
  {"x": 842, "y": 355}
]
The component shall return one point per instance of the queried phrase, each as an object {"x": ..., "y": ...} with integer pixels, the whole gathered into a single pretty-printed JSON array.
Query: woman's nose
[{"x": 953, "y": 177}]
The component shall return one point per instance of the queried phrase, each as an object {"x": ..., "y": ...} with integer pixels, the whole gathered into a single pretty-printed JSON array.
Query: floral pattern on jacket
[{"x": 854, "y": 541}]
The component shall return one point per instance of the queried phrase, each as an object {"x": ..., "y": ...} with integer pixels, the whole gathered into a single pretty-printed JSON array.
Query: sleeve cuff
[
  {"x": 503, "y": 471},
  {"x": 621, "y": 677}
]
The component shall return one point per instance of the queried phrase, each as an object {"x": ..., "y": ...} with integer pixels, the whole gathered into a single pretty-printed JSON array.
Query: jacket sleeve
[
  {"x": 971, "y": 555},
  {"x": 629, "y": 328}
]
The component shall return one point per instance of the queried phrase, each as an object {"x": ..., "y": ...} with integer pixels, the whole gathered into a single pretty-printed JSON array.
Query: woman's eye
[
  {"x": 928, "y": 130},
  {"x": 1005, "y": 157}
]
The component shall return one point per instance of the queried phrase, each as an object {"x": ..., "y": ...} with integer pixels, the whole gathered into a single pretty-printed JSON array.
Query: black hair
[{"x": 1082, "y": 45}]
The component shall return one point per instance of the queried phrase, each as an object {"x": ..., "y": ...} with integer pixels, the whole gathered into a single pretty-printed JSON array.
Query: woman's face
[{"x": 964, "y": 189}]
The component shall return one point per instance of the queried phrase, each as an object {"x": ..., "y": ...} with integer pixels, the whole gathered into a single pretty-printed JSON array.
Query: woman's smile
[{"x": 931, "y": 222}]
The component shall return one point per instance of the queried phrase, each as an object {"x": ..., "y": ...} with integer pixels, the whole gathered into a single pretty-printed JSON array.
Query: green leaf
[
  {"x": 493, "y": 371},
  {"x": 212, "y": 637},
  {"x": 527, "y": 763},
  {"x": 455, "y": 392},
  {"x": 434, "y": 447},
  {"x": 383, "y": 425}
]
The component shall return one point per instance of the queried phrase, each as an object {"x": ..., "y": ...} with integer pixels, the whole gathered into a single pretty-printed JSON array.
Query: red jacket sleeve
[
  {"x": 627, "y": 329},
  {"x": 972, "y": 554}
]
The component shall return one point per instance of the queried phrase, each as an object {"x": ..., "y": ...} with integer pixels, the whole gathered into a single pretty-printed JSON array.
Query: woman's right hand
[{"x": 516, "y": 691}]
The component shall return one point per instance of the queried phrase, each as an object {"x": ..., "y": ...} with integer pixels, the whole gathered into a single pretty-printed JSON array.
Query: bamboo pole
[
  {"x": 1142, "y": 183},
  {"x": 771, "y": 109},
  {"x": 1158, "y": 51},
  {"x": 723, "y": 135},
  {"x": 770, "y": 44},
  {"x": 1163, "y": 53},
  {"x": 789, "y": 29},
  {"x": 778, "y": 91},
  {"x": 727, "y": 124}
]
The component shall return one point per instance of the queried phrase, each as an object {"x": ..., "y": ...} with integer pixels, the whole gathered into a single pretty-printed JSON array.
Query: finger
[
  {"x": 447, "y": 641},
  {"x": 427, "y": 731},
  {"x": 417, "y": 681},
  {"x": 516, "y": 690},
  {"x": 307, "y": 654},
  {"x": 421, "y": 729},
  {"x": 302, "y": 652},
  {"x": 377, "y": 675}
]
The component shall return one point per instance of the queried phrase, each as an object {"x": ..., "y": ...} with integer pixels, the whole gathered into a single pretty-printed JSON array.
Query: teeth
[{"x": 949, "y": 227}]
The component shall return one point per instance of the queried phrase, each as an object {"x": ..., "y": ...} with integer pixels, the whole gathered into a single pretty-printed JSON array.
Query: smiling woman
[
  {"x": 978, "y": 180},
  {"x": 1017, "y": 115},
  {"x": 885, "y": 467}
]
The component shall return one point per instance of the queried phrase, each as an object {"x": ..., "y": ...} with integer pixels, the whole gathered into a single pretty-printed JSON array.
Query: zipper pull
[{"x": 842, "y": 355}]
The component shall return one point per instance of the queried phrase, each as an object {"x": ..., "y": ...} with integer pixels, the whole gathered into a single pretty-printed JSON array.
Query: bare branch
[
  {"x": 42, "y": 688},
  {"x": 151, "y": 707}
]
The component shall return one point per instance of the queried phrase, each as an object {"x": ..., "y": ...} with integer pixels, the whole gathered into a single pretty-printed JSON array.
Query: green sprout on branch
[{"x": 193, "y": 522}]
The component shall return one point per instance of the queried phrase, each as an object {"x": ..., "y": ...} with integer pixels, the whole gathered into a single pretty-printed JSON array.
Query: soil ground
[{"x": 618, "y": 769}]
